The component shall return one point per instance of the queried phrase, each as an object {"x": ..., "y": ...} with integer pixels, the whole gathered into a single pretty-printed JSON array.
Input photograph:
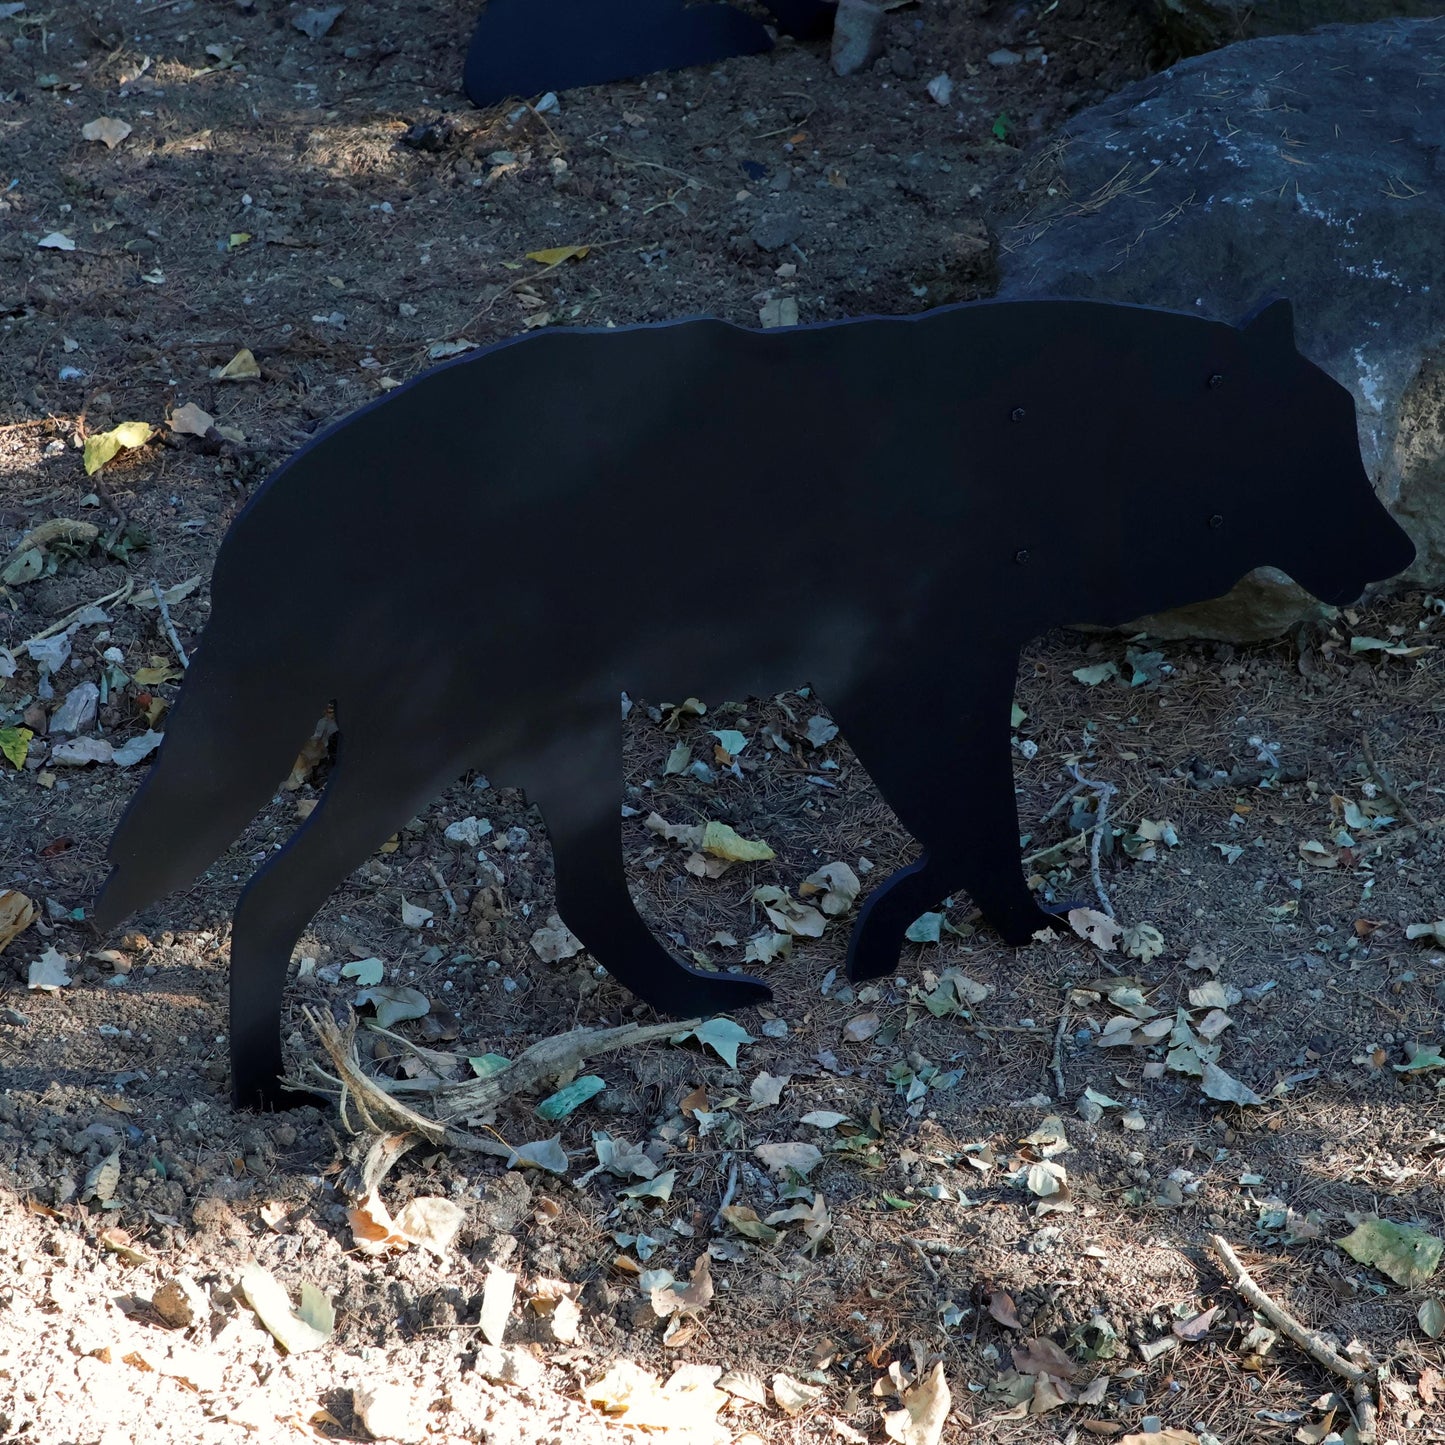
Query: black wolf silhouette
[
  {"x": 523, "y": 47},
  {"x": 899, "y": 505}
]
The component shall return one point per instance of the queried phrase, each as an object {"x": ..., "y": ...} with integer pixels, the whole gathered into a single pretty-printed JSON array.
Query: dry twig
[
  {"x": 1056, "y": 1061},
  {"x": 547, "y": 1058},
  {"x": 1386, "y": 784},
  {"x": 923, "y": 1258},
  {"x": 168, "y": 625},
  {"x": 1361, "y": 1377},
  {"x": 446, "y": 892}
]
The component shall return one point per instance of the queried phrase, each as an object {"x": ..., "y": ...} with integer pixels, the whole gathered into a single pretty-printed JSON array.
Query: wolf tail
[{"x": 243, "y": 713}]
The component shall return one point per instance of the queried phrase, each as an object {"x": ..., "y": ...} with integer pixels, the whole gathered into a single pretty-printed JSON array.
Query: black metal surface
[
  {"x": 890, "y": 507},
  {"x": 524, "y": 47}
]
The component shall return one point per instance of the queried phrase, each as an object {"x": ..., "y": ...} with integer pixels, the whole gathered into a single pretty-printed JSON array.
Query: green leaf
[
  {"x": 1405, "y": 1252},
  {"x": 366, "y": 971},
  {"x": 1221, "y": 1085},
  {"x": 1431, "y": 1315},
  {"x": 1001, "y": 126},
  {"x": 1426, "y": 1057},
  {"x": 1100, "y": 672},
  {"x": 100, "y": 447},
  {"x": 1017, "y": 716},
  {"x": 566, "y": 1100},
  {"x": 894, "y": 1202},
  {"x": 720, "y": 840},
  {"x": 15, "y": 744},
  {"x": 731, "y": 740},
  {"x": 678, "y": 759},
  {"x": 395, "y": 1004},
  {"x": 1143, "y": 941},
  {"x": 747, "y": 1223},
  {"x": 485, "y": 1065},
  {"x": 659, "y": 1187},
  {"x": 926, "y": 928},
  {"x": 545, "y": 1154},
  {"x": 722, "y": 1036}
]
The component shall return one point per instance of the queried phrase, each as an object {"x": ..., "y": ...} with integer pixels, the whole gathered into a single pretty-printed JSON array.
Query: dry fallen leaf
[
  {"x": 555, "y": 941},
  {"x": 787, "y": 914},
  {"x": 107, "y": 129},
  {"x": 241, "y": 367},
  {"x": 100, "y": 447},
  {"x": 792, "y": 1396},
  {"x": 838, "y": 884},
  {"x": 1098, "y": 928},
  {"x": 48, "y": 972},
  {"x": 190, "y": 420},
  {"x": 1043, "y": 1356},
  {"x": 696, "y": 1296},
  {"x": 295, "y": 1330},
  {"x": 17, "y": 913},
  {"x": 689, "y": 1400},
  {"x": 925, "y": 1411},
  {"x": 101, "y": 1182},
  {"x": 496, "y": 1309},
  {"x": 800, "y": 1158}
]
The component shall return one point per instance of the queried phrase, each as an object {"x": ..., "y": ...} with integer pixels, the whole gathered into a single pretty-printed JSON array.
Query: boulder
[
  {"x": 1302, "y": 166},
  {"x": 1195, "y": 25}
]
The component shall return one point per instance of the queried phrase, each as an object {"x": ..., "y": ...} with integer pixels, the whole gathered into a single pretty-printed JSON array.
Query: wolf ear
[{"x": 1272, "y": 323}]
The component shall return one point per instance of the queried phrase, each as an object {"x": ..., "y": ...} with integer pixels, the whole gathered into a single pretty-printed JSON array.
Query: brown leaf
[
  {"x": 862, "y": 1028},
  {"x": 695, "y": 1297},
  {"x": 17, "y": 913},
  {"x": 1043, "y": 1357},
  {"x": 1002, "y": 1308},
  {"x": 1197, "y": 1327}
]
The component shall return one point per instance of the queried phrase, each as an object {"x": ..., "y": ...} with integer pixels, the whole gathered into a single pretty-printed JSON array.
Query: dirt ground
[{"x": 950, "y": 1196}]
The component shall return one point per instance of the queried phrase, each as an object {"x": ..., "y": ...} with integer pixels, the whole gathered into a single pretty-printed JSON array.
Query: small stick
[
  {"x": 1056, "y": 1063},
  {"x": 446, "y": 892},
  {"x": 1385, "y": 783},
  {"x": 170, "y": 627},
  {"x": 119, "y": 595},
  {"x": 728, "y": 1193},
  {"x": 927, "y": 1263},
  {"x": 1106, "y": 791},
  {"x": 1286, "y": 1323},
  {"x": 936, "y": 1246}
]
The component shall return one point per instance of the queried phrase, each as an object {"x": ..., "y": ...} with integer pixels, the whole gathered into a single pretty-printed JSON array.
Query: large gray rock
[
  {"x": 1196, "y": 25},
  {"x": 1304, "y": 166}
]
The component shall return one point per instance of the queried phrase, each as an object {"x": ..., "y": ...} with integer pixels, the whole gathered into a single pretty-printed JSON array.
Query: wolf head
[{"x": 1287, "y": 487}]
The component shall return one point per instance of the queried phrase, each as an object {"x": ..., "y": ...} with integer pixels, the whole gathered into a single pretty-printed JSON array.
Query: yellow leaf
[
  {"x": 100, "y": 447},
  {"x": 241, "y": 367},
  {"x": 155, "y": 676},
  {"x": 555, "y": 255},
  {"x": 238, "y": 238},
  {"x": 720, "y": 840}
]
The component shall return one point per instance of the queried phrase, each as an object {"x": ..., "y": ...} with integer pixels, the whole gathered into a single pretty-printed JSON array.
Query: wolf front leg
[
  {"x": 583, "y": 822},
  {"x": 957, "y": 801},
  {"x": 372, "y": 792}
]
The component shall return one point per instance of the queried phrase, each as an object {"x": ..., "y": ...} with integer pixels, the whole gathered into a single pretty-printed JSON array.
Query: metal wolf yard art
[{"x": 964, "y": 480}]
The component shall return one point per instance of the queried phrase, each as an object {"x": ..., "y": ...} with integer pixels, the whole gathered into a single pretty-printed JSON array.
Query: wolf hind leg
[
  {"x": 374, "y": 788},
  {"x": 582, "y": 810},
  {"x": 964, "y": 815}
]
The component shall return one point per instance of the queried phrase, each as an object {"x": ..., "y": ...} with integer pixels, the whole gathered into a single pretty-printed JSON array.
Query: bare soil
[{"x": 334, "y": 206}]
